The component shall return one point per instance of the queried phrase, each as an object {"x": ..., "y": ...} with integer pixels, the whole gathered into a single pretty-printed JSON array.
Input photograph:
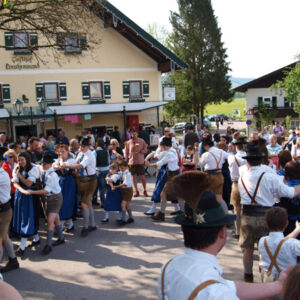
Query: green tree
[
  {"x": 290, "y": 85},
  {"x": 264, "y": 116},
  {"x": 196, "y": 39}
]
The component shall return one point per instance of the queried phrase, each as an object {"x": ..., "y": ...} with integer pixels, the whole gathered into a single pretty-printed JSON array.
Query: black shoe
[
  {"x": 11, "y": 265},
  {"x": 58, "y": 242},
  {"x": 119, "y": 221},
  {"x": 92, "y": 228},
  {"x": 105, "y": 220},
  {"x": 70, "y": 229},
  {"x": 175, "y": 213},
  {"x": 47, "y": 249},
  {"x": 20, "y": 252},
  {"x": 33, "y": 244},
  {"x": 130, "y": 220},
  {"x": 149, "y": 214},
  {"x": 84, "y": 232}
]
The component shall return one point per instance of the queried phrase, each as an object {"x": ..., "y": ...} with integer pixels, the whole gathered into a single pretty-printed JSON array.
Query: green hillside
[{"x": 226, "y": 108}]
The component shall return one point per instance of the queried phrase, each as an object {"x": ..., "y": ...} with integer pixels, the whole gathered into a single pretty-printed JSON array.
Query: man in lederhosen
[
  {"x": 86, "y": 164},
  {"x": 5, "y": 218},
  {"x": 196, "y": 274},
  {"x": 212, "y": 161},
  {"x": 234, "y": 162},
  {"x": 258, "y": 190}
]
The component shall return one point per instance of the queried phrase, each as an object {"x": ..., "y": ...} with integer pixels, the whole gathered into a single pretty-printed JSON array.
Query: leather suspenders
[
  {"x": 273, "y": 258},
  {"x": 195, "y": 292},
  {"x": 217, "y": 162},
  {"x": 256, "y": 189},
  {"x": 237, "y": 162}
]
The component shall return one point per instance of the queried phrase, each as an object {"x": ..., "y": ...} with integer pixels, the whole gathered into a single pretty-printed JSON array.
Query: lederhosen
[
  {"x": 5, "y": 218},
  {"x": 53, "y": 201},
  {"x": 218, "y": 174},
  {"x": 194, "y": 293},
  {"x": 127, "y": 193},
  {"x": 273, "y": 258},
  {"x": 235, "y": 198},
  {"x": 87, "y": 185}
]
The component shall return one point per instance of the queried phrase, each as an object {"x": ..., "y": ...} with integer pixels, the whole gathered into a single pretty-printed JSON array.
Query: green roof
[{"x": 141, "y": 32}]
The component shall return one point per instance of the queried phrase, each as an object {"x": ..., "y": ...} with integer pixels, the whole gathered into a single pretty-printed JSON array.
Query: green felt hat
[
  {"x": 252, "y": 151},
  {"x": 208, "y": 213}
]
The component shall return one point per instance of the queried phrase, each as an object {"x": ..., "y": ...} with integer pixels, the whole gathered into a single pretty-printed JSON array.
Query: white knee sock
[
  {"x": 62, "y": 223},
  {"x": 176, "y": 207},
  {"x": 107, "y": 215},
  {"x": 71, "y": 224},
  {"x": 163, "y": 205},
  {"x": 181, "y": 204},
  {"x": 152, "y": 209},
  {"x": 23, "y": 243}
]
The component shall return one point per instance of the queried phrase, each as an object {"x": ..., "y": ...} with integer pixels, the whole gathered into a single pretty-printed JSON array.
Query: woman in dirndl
[
  {"x": 26, "y": 207},
  {"x": 67, "y": 184}
]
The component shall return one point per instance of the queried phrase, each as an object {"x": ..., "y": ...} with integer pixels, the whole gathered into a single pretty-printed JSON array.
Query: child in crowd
[
  {"x": 188, "y": 160},
  {"x": 277, "y": 251},
  {"x": 113, "y": 196},
  {"x": 53, "y": 198},
  {"x": 181, "y": 149},
  {"x": 127, "y": 193}
]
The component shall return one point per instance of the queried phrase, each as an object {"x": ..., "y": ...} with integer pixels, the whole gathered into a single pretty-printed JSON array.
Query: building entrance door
[{"x": 25, "y": 130}]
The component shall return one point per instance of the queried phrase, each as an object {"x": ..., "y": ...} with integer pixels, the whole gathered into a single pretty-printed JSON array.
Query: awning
[
  {"x": 4, "y": 113},
  {"x": 105, "y": 108}
]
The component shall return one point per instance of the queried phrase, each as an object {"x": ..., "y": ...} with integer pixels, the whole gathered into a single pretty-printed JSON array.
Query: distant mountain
[{"x": 236, "y": 81}]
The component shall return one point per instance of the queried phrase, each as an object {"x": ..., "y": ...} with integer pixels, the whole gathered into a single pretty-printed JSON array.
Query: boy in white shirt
[
  {"x": 277, "y": 251},
  {"x": 126, "y": 191}
]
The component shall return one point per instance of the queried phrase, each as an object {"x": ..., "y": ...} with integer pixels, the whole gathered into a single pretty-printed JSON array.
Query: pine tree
[{"x": 196, "y": 39}]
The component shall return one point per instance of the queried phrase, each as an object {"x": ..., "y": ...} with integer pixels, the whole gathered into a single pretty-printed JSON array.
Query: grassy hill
[{"x": 226, "y": 108}]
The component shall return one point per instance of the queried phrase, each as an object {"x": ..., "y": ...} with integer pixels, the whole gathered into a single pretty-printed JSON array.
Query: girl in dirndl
[
  {"x": 26, "y": 207},
  {"x": 67, "y": 184},
  {"x": 188, "y": 160},
  {"x": 113, "y": 196}
]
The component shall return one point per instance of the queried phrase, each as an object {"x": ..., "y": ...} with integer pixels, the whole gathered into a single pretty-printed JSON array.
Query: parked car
[
  {"x": 213, "y": 118},
  {"x": 179, "y": 127}
]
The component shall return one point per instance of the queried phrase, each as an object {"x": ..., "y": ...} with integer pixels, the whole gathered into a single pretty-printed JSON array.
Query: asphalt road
[{"x": 112, "y": 262}]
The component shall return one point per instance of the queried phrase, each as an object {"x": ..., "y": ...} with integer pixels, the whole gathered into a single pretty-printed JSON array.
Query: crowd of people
[{"x": 258, "y": 179}]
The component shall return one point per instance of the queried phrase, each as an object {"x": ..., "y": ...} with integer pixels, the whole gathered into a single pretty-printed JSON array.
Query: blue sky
[{"x": 260, "y": 35}]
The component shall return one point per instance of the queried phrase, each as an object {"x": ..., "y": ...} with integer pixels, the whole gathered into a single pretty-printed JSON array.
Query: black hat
[
  {"x": 47, "y": 159},
  {"x": 166, "y": 141},
  {"x": 85, "y": 141},
  {"x": 253, "y": 151},
  {"x": 208, "y": 213},
  {"x": 239, "y": 141},
  {"x": 201, "y": 207}
]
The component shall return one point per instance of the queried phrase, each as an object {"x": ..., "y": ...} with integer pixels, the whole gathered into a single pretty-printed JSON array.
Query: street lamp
[
  {"x": 18, "y": 105},
  {"x": 43, "y": 105}
]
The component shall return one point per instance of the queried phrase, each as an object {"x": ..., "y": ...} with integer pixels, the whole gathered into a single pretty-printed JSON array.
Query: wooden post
[{"x": 125, "y": 123}]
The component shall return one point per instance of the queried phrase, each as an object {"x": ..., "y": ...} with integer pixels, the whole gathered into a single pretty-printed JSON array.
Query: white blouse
[{"x": 33, "y": 174}]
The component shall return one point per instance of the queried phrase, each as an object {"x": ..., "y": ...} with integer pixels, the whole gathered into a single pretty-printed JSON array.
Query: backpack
[{"x": 102, "y": 158}]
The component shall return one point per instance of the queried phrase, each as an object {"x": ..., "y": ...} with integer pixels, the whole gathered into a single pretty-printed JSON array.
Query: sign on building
[{"x": 169, "y": 93}]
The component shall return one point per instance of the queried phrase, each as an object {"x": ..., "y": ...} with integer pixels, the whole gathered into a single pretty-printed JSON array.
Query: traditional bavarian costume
[
  {"x": 113, "y": 197},
  {"x": 127, "y": 192},
  {"x": 68, "y": 189},
  {"x": 54, "y": 198},
  {"x": 188, "y": 158},
  {"x": 196, "y": 274},
  {"x": 276, "y": 254},
  {"x": 212, "y": 162},
  {"x": 27, "y": 207}
]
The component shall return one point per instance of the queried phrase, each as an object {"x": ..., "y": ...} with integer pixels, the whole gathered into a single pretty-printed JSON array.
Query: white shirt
[
  {"x": 126, "y": 178},
  {"x": 266, "y": 136},
  {"x": 51, "y": 182},
  {"x": 68, "y": 162},
  {"x": 170, "y": 158},
  {"x": 208, "y": 162},
  {"x": 233, "y": 166},
  {"x": 174, "y": 143},
  {"x": 271, "y": 186},
  {"x": 287, "y": 255},
  {"x": 4, "y": 187},
  {"x": 295, "y": 151},
  {"x": 188, "y": 270},
  {"x": 33, "y": 174},
  {"x": 265, "y": 168},
  {"x": 114, "y": 177},
  {"x": 88, "y": 162}
]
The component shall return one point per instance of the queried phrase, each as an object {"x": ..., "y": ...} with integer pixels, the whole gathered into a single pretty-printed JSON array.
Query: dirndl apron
[
  {"x": 161, "y": 180},
  {"x": 113, "y": 199}
]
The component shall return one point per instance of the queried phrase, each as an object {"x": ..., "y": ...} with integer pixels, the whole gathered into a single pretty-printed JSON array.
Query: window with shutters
[
  {"x": 21, "y": 42},
  {"x": 96, "y": 90},
  {"x": 72, "y": 43},
  {"x": 135, "y": 90},
  {"x": 51, "y": 93}
]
